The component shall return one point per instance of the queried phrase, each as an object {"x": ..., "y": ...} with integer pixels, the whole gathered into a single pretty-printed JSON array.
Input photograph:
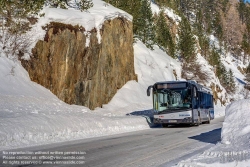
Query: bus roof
[
  {"x": 163, "y": 82},
  {"x": 200, "y": 88}
]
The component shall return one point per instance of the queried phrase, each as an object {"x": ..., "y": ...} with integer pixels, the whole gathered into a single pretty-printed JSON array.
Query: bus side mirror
[{"x": 148, "y": 90}]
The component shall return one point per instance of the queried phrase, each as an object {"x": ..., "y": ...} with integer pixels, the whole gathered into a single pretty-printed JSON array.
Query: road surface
[{"x": 151, "y": 147}]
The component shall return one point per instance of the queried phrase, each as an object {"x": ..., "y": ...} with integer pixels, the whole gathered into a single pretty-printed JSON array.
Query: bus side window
[
  {"x": 208, "y": 102},
  {"x": 195, "y": 103},
  {"x": 195, "y": 98},
  {"x": 201, "y": 100},
  {"x": 204, "y": 100}
]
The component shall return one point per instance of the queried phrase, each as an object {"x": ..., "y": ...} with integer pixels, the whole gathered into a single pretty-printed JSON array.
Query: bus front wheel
[
  {"x": 199, "y": 121},
  {"x": 209, "y": 120},
  {"x": 164, "y": 125}
]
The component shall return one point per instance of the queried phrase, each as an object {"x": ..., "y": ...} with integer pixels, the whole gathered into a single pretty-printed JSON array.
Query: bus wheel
[
  {"x": 199, "y": 121},
  {"x": 209, "y": 120},
  {"x": 164, "y": 125}
]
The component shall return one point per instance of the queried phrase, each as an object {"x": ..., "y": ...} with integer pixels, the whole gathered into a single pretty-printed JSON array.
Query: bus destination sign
[{"x": 171, "y": 85}]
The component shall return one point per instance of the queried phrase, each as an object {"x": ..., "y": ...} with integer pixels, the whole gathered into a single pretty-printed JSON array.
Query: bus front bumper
[{"x": 187, "y": 120}]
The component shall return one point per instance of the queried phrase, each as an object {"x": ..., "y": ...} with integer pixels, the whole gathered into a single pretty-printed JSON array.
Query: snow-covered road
[{"x": 151, "y": 147}]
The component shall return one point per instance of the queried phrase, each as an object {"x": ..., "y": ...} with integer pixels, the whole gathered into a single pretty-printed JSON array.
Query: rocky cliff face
[{"x": 88, "y": 76}]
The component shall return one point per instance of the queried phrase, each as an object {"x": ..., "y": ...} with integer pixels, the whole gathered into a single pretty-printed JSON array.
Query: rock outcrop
[{"x": 79, "y": 74}]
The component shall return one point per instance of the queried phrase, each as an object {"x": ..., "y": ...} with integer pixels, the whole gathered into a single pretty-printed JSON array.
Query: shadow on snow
[
  {"x": 240, "y": 81},
  {"x": 148, "y": 114},
  {"x": 209, "y": 137}
]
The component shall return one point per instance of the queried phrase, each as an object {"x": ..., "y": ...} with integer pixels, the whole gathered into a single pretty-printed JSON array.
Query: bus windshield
[{"x": 172, "y": 99}]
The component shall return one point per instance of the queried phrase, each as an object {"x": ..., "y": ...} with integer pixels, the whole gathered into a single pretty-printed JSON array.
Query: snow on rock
[
  {"x": 90, "y": 19},
  {"x": 168, "y": 11},
  {"x": 234, "y": 149}
]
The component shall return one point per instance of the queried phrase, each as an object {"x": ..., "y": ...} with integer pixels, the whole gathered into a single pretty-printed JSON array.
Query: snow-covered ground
[
  {"x": 234, "y": 148},
  {"x": 32, "y": 115}
]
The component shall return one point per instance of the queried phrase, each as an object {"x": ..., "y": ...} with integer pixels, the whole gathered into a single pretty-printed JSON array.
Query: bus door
[{"x": 195, "y": 104}]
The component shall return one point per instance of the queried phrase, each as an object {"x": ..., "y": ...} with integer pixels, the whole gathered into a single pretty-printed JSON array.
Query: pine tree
[
  {"x": 245, "y": 45},
  {"x": 163, "y": 35},
  {"x": 214, "y": 58},
  {"x": 204, "y": 44},
  {"x": 247, "y": 79},
  {"x": 124, "y": 5},
  {"x": 85, "y": 4},
  {"x": 231, "y": 82},
  {"x": 241, "y": 9},
  {"x": 57, "y": 3},
  {"x": 133, "y": 8},
  {"x": 167, "y": 3},
  {"x": 14, "y": 18},
  {"x": 143, "y": 23},
  {"x": 224, "y": 5},
  {"x": 186, "y": 41},
  {"x": 145, "y": 26},
  {"x": 221, "y": 72},
  {"x": 217, "y": 26},
  {"x": 199, "y": 30}
]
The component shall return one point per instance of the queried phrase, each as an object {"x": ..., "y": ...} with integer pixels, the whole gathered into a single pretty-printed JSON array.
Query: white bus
[{"x": 181, "y": 102}]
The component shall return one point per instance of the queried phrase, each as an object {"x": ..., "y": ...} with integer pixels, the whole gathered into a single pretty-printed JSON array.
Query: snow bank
[
  {"x": 236, "y": 127},
  {"x": 31, "y": 114},
  {"x": 234, "y": 149}
]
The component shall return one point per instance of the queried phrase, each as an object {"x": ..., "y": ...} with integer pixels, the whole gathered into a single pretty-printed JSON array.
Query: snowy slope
[
  {"x": 150, "y": 67},
  {"x": 31, "y": 114},
  {"x": 234, "y": 149},
  {"x": 232, "y": 63}
]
